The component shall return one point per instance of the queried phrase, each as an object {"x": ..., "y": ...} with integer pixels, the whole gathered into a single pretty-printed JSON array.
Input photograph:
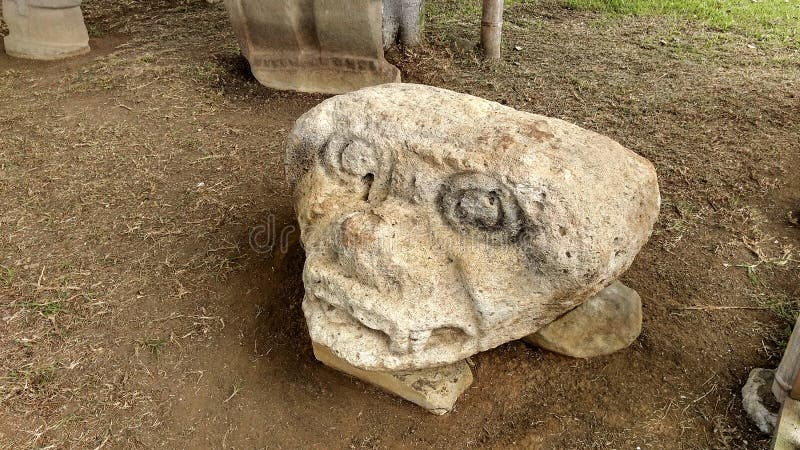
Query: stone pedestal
[
  {"x": 434, "y": 389},
  {"x": 45, "y": 29},
  {"x": 322, "y": 46}
]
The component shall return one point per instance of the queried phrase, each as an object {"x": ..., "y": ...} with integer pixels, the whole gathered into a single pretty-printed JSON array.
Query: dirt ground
[{"x": 135, "y": 313}]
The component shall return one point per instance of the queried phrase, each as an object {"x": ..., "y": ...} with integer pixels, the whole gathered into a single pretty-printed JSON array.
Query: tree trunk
[
  {"x": 401, "y": 22},
  {"x": 492, "y": 28}
]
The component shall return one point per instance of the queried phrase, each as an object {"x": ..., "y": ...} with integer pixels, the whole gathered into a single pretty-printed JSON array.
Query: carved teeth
[
  {"x": 419, "y": 339},
  {"x": 399, "y": 343}
]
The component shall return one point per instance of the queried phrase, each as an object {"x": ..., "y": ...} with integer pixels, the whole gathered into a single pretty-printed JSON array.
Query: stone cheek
[{"x": 438, "y": 225}]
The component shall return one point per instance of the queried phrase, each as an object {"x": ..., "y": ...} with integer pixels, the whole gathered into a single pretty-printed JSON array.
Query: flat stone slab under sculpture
[
  {"x": 438, "y": 225},
  {"x": 324, "y": 46},
  {"x": 435, "y": 389},
  {"x": 45, "y": 29}
]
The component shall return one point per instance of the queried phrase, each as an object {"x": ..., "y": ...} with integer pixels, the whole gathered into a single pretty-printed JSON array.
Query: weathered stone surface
[
  {"x": 435, "y": 389},
  {"x": 401, "y": 22},
  {"x": 437, "y": 225},
  {"x": 325, "y": 46},
  {"x": 756, "y": 396},
  {"x": 607, "y": 322},
  {"x": 45, "y": 29}
]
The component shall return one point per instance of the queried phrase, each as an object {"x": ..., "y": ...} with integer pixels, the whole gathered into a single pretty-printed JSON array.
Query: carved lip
[
  {"x": 362, "y": 310},
  {"x": 358, "y": 310}
]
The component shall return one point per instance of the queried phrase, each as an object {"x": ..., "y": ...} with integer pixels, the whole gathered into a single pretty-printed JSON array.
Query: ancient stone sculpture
[
  {"x": 401, "y": 22},
  {"x": 437, "y": 225},
  {"x": 325, "y": 46},
  {"x": 45, "y": 29}
]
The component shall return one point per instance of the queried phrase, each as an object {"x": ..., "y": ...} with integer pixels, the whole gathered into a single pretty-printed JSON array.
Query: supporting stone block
[
  {"x": 322, "y": 46},
  {"x": 45, "y": 29},
  {"x": 603, "y": 324},
  {"x": 435, "y": 389}
]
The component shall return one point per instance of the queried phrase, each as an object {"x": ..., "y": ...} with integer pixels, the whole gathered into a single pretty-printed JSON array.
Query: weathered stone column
[
  {"x": 401, "y": 22},
  {"x": 45, "y": 29},
  {"x": 324, "y": 46}
]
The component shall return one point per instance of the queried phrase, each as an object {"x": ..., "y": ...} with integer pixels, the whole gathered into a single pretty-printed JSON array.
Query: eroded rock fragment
[
  {"x": 757, "y": 399},
  {"x": 437, "y": 225}
]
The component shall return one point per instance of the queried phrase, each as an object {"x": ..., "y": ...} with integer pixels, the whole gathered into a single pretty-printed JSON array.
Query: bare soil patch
[{"x": 135, "y": 313}]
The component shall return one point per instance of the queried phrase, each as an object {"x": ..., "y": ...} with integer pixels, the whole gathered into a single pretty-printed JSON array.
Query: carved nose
[
  {"x": 363, "y": 245},
  {"x": 358, "y": 232}
]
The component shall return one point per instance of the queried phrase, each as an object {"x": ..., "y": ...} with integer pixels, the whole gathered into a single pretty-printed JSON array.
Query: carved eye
[
  {"x": 351, "y": 157},
  {"x": 358, "y": 159},
  {"x": 479, "y": 208},
  {"x": 479, "y": 205}
]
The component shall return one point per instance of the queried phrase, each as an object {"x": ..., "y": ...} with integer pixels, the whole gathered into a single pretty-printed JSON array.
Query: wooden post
[
  {"x": 786, "y": 376},
  {"x": 492, "y": 28}
]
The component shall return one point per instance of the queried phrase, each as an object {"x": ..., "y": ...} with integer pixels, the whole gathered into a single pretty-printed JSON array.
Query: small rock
[
  {"x": 604, "y": 324},
  {"x": 756, "y": 395}
]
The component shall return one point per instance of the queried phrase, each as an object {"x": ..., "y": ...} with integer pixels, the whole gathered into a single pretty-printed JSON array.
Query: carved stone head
[{"x": 437, "y": 225}]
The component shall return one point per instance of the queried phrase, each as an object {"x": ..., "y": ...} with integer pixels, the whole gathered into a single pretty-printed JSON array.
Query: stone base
[
  {"x": 41, "y": 51},
  {"x": 434, "y": 389},
  {"x": 45, "y": 29},
  {"x": 604, "y": 324},
  {"x": 330, "y": 76},
  {"x": 319, "y": 46}
]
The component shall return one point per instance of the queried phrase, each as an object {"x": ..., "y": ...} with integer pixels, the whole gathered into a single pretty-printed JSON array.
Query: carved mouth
[
  {"x": 336, "y": 302},
  {"x": 345, "y": 302}
]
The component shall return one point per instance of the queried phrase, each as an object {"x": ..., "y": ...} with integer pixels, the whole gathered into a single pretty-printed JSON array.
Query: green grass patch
[
  {"x": 154, "y": 346},
  {"x": 34, "y": 378},
  {"x": 460, "y": 10},
  {"x": 786, "y": 309},
  {"x": 781, "y": 306},
  {"x": 47, "y": 309},
  {"x": 6, "y": 276},
  {"x": 776, "y": 21}
]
